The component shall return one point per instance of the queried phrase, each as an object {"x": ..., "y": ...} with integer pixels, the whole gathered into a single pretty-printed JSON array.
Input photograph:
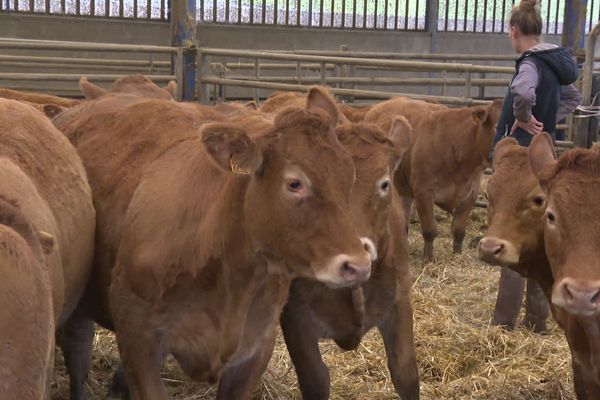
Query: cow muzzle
[
  {"x": 577, "y": 297},
  {"x": 344, "y": 270},
  {"x": 496, "y": 251}
]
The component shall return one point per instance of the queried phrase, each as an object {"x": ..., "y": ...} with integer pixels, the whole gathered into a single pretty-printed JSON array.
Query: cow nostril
[
  {"x": 567, "y": 292},
  {"x": 499, "y": 249},
  {"x": 347, "y": 268},
  {"x": 596, "y": 297}
]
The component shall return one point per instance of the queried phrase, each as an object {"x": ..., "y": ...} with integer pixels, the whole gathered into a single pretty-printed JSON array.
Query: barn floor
[{"x": 460, "y": 356}]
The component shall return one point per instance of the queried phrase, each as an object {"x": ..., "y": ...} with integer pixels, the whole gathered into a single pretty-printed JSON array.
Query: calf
[
  {"x": 572, "y": 241},
  {"x": 44, "y": 190},
  {"x": 354, "y": 113},
  {"x": 514, "y": 239},
  {"x": 316, "y": 311},
  {"x": 279, "y": 101},
  {"x": 135, "y": 84},
  {"x": 444, "y": 163},
  {"x": 206, "y": 225}
]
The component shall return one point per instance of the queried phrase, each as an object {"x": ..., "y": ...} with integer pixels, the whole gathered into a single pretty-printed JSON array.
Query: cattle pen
[{"x": 452, "y": 52}]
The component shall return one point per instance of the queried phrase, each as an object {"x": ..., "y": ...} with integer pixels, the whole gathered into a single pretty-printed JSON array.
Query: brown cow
[
  {"x": 44, "y": 189},
  {"x": 524, "y": 224},
  {"x": 135, "y": 84},
  {"x": 572, "y": 240},
  {"x": 211, "y": 224},
  {"x": 514, "y": 238},
  {"x": 279, "y": 101},
  {"x": 354, "y": 113},
  {"x": 315, "y": 311},
  {"x": 445, "y": 162},
  {"x": 38, "y": 98}
]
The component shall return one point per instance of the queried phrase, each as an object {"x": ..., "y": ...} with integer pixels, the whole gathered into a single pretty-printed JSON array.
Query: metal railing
[
  {"x": 137, "y": 9},
  {"x": 95, "y": 68}
]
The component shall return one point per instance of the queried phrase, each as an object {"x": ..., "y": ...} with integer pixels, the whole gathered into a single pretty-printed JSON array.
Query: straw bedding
[{"x": 460, "y": 356}]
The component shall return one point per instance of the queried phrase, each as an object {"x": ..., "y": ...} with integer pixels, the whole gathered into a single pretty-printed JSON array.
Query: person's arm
[
  {"x": 523, "y": 90},
  {"x": 570, "y": 98}
]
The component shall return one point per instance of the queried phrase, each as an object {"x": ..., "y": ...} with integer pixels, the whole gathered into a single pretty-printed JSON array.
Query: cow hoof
[{"x": 539, "y": 328}]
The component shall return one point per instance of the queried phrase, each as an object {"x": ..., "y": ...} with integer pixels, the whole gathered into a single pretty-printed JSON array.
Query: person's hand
[{"x": 533, "y": 126}]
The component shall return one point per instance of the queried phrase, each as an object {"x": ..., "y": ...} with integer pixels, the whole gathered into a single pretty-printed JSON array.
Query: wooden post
[{"x": 183, "y": 35}]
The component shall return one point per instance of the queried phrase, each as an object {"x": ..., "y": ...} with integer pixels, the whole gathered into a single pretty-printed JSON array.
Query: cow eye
[
  {"x": 538, "y": 200},
  {"x": 385, "y": 186},
  {"x": 294, "y": 185}
]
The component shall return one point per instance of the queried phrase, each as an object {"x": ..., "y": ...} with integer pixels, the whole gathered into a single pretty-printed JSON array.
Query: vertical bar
[
  {"x": 148, "y": 9},
  {"x": 354, "y": 14},
  {"x": 31, "y": 6},
  {"x": 494, "y": 18},
  {"x": 298, "y": 5},
  {"x": 376, "y": 15},
  {"x": 106, "y": 8},
  {"x": 264, "y": 11},
  {"x": 203, "y": 90},
  {"x": 215, "y": 5},
  {"x": 482, "y": 87},
  {"x": 321, "y": 5},
  {"x": 397, "y": 14},
  {"x": 475, "y": 17},
  {"x": 406, "y": 15},
  {"x": 556, "y": 21},
  {"x": 16, "y": 6},
  {"x": 484, "y": 14},
  {"x": 135, "y": 8},
  {"x": 456, "y": 16},
  {"x": 77, "y": 7},
  {"x": 63, "y": 7},
  {"x": 226, "y": 10},
  {"x": 310, "y": 12},
  {"x": 275, "y": 12},
  {"x": 468, "y": 85},
  {"x": 343, "y": 13},
  {"x": 298, "y": 72},
  {"x": 332, "y": 13},
  {"x": 591, "y": 15},
  {"x": 446, "y": 17},
  {"x": 548, "y": 4},
  {"x": 444, "y": 86},
  {"x": 92, "y": 7},
  {"x": 417, "y": 16},
  {"x": 385, "y": 15},
  {"x": 183, "y": 36},
  {"x": 257, "y": 76},
  {"x": 466, "y": 15},
  {"x": 239, "y": 18},
  {"x": 121, "y": 8},
  {"x": 323, "y": 74},
  {"x": 365, "y": 15},
  {"x": 287, "y": 12},
  {"x": 503, "y": 16}
]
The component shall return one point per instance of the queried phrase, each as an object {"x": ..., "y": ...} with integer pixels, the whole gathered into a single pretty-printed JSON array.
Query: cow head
[
  {"x": 485, "y": 118},
  {"x": 135, "y": 84},
  {"x": 297, "y": 201},
  {"x": 516, "y": 205},
  {"x": 572, "y": 223},
  {"x": 376, "y": 156}
]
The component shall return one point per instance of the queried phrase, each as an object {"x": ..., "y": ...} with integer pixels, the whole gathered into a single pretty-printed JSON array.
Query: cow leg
[
  {"x": 536, "y": 308},
  {"x": 510, "y": 298},
  {"x": 460, "y": 220},
  {"x": 302, "y": 343},
  {"x": 76, "y": 341},
  {"x": 397, "y": 333},
  {"x": 407, "y": 206},
  {"x": 428, "y": 225},
  {"x": 239, "y": 382}
]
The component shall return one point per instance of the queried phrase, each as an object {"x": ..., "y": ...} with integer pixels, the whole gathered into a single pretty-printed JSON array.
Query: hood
[{"x": 560, "y": 60}]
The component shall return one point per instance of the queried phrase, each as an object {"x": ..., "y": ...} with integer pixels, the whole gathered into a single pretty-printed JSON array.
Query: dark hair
[{"x": 527, "y": 17}]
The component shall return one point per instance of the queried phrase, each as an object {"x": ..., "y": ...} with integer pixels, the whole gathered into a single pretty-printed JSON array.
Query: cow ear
[
  {"x": 501, "y": 148},
  {"x": 320, "y": 102},
  {"x": 251, "y": 105},
  {"x": 400, "y": 135},
  {"x": 90, "y": 90},
  {"x": 52, "y": 110},
  {"x": 480, "y": 114},
  {"x": 541, "y": 154},
  {"x": 231, "y": 149},
  {"x": 46, "y": 241},
  {"x": 171, "y": 88}
]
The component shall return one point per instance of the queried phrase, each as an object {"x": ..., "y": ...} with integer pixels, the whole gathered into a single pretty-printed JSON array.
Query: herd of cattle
[{"x": 195, "y": 230}]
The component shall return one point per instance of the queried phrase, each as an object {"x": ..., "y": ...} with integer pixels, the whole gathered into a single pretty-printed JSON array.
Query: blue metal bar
[
  {"x": 574, "y": 24},
  {"x": 183, "y": 34}
]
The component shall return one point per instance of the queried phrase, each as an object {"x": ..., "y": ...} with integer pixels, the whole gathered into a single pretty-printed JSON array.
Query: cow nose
[
  {"x": 490, "y": 249},
  {"x": 577, "y": 297},
  {"x": 356, "y": 269}
]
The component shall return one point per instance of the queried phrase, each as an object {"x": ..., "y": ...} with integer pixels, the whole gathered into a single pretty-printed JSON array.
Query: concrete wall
[{"x": 250, "y": 37}]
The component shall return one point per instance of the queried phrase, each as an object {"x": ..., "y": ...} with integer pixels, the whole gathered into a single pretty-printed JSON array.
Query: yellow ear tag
[{"x": 237, "y": 169}]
